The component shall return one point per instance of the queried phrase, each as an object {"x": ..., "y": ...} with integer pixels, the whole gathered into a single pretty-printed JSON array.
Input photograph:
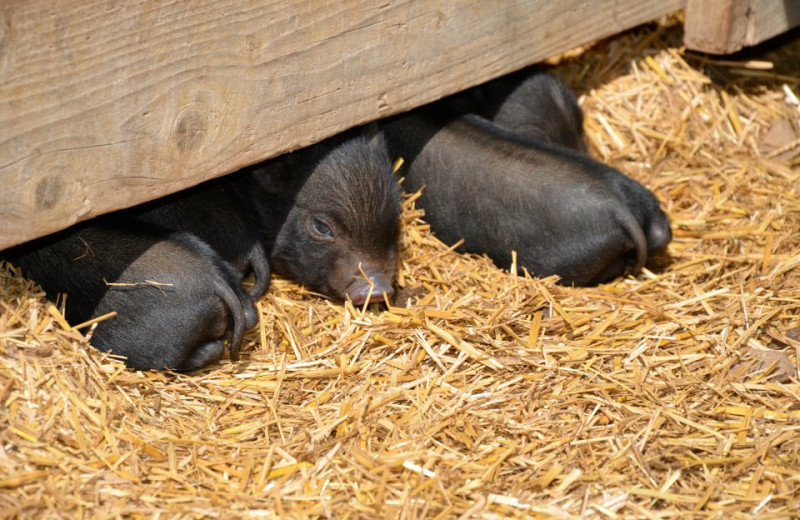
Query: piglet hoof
[
  {"x": 658, "y": 233},
  {"x": 250, "y": 315},
  {"x": 203, "y": 355}
]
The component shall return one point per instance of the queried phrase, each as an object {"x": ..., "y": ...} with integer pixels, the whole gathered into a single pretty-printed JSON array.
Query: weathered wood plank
[
  {"x": 105, "y": 104},
  {"x": 726, "y": 26}
]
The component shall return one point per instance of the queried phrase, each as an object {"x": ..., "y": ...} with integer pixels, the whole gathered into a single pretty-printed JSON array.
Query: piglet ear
[
  {"x": 270, "y": 176},
  {"x": 374, "y": 136}
]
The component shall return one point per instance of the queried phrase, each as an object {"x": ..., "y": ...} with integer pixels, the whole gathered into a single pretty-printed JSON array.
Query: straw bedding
[{"x": 673, "y": 394}]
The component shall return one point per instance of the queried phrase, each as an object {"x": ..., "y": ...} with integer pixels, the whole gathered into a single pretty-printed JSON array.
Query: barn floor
[{"x": 670, "y": 395}]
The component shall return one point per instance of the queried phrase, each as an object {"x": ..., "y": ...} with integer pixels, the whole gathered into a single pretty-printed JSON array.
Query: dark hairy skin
[
  {"x": 176, "y": 299},
  {"x": 534, "y": 106},
  {"x": 329, "y": 215},
  {"x": 538, "y": 108},
  {"x": 560, "y": 210},
  {"x": 220, "y": 216}
]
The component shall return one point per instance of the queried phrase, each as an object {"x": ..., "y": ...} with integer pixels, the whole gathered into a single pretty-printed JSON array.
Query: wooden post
[{"x": 726, "y": 26}]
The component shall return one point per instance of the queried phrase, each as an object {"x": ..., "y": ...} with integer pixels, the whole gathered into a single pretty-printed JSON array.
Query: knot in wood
[
  {"x": 190, "y": 130},
  {"x": 48, "y": 192}
]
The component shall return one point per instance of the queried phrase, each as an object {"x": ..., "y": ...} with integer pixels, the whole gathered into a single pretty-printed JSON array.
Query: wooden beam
[
  {"x": 104, "y": 105},
  {"x": 726, "y": 26}
]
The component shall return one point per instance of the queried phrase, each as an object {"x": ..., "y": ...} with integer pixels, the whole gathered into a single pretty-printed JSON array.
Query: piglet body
[
  {"x": 538, "y": 108},
  {"x": 176, "y": 299},
  {"x": 558, "y": 209}
]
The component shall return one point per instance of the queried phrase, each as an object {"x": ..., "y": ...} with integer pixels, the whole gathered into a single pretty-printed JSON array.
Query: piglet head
[{"x": 339, "y": 236}]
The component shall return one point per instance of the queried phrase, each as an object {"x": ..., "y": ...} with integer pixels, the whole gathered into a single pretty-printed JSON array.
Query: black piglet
[{"x": 176, "y": 300}]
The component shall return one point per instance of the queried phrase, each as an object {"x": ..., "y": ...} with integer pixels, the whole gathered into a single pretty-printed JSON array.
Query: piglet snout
[{"x": 374, "y": 289}]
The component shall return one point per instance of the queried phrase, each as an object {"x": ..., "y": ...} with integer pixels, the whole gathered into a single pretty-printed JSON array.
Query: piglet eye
[{"x": 321, "y": 227}]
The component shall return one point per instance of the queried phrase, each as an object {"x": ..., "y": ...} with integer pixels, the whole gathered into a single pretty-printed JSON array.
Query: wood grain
[
  {"x": 726, "y": 26},
  {"x": 105, "y": 104}
]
